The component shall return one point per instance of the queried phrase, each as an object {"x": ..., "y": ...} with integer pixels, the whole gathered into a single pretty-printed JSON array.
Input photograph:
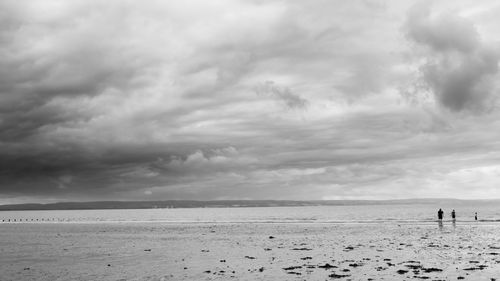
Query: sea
[{"x": 487, "y": 212}]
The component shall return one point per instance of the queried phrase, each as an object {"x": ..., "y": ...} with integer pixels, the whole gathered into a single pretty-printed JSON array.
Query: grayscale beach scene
[
  {"x": 249, "y": 140},
  {"x": 372, "y": 242}
]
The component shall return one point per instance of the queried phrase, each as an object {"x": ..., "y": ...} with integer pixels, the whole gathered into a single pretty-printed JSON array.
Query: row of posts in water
[{"x": 40, "y": 220}]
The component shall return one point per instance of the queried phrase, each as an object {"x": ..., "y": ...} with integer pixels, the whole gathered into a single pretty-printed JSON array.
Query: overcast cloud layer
[{"x": 227, "y": 99}]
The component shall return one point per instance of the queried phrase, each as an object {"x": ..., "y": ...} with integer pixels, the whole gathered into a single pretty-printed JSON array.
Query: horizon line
[{"x": 249, "y": 200}]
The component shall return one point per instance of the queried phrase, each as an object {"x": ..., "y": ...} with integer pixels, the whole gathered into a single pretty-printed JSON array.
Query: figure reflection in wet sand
[
  {"x": 440, "y": 219},
  {"x": 453, "y": 218}
]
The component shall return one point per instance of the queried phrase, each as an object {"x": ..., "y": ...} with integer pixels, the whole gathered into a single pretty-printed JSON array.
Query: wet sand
[{"x": 250, "y": 251}]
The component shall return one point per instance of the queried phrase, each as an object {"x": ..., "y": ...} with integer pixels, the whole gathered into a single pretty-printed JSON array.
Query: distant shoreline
[{"x": 100, "y": 205}]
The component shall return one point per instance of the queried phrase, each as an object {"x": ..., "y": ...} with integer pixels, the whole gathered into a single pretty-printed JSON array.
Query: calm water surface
[{"x": 411, "y": 213}]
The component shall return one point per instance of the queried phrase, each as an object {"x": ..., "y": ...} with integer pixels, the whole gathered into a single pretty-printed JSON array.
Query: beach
[{"x": 249, "y": 251}]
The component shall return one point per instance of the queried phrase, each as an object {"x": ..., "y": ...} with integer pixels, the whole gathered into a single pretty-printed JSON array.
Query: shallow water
[{"x": 488, "y": 212}]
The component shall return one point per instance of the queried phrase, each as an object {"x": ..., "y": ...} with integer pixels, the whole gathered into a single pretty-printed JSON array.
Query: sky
[{"x": 248, "y": 99}]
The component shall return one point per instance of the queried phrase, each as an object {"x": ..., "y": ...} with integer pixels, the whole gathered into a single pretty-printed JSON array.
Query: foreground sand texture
[{"x": 162, "y": 251}]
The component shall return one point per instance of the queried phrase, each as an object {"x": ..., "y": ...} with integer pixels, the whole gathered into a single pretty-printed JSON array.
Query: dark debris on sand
[
  {"x": 292, "y": 267},
  {"x": 338, "y": 276},
  {"x": 301, "y": 249},
  {"x": 402, "y": 271},
  {"x": 413, "y": 266},
  {"x": 479, "y": 267},
  {"x": 431, "y": 269},
  {"x": 327, "y": 266},
  {"x": 352, "y": 267}
]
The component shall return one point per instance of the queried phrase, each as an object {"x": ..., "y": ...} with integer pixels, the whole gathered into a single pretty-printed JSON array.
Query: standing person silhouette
[
  {"x": 440, "y": 214},
  {"x": 475, "y": 216},
  {"x": 453, "y": 214}
]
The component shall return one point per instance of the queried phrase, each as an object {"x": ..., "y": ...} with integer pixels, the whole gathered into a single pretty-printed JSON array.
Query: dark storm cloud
[
  {"x": 53, "y": 53},
  {"x": 45, "y": 170},
  {"x": 460, "y": 69},
  {"x": 168, "y": 100}
]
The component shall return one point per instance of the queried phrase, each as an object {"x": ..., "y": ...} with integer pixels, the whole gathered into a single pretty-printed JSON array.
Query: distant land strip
[{"x": 222, "y": 204}]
